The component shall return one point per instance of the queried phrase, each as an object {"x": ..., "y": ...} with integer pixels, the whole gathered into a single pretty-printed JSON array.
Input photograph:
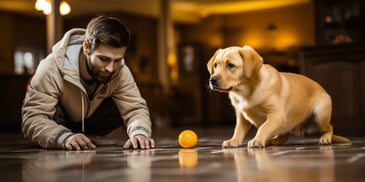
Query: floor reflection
[
  {"x": 139, "y": 165},
  {"x": 188, "y": 158},
  {"x": 54, "y": 165},
  {"x": 276, "y": 164}
]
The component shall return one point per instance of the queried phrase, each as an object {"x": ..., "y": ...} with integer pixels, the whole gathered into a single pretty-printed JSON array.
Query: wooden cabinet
[
  {"x": 339, "y": 21},
  {"x": 340, "y": 70}
]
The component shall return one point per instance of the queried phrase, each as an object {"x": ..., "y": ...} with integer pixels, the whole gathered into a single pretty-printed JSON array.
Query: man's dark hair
[{"x": 106, "y": 30}]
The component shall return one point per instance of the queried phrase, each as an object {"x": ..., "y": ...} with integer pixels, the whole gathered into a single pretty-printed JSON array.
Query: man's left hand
[{"x": 139, "y": 142}]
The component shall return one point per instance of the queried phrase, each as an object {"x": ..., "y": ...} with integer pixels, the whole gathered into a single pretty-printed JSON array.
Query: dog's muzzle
[
  {"x": 213, "y": 82},
  {"x": 215, "y": 85}
]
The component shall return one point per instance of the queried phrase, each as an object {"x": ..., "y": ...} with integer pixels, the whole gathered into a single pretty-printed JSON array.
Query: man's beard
[{"x": 94, "y": 74}]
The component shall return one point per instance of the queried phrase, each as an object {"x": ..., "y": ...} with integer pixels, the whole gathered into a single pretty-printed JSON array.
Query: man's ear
[
  {"x": 252, "y": 61},
  {"x": 86, "y": 47},
  {"x": 211, "y": 62}
]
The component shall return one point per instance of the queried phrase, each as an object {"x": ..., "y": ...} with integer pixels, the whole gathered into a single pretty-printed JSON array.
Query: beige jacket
[{"x": 57, "y": 80}]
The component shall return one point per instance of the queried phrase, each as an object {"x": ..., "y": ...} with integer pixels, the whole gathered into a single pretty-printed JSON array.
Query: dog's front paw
[
  {"x": 255, "y": 143},
  {"x": 231, "y": 143},
  {"x": 325, "y": 139}
]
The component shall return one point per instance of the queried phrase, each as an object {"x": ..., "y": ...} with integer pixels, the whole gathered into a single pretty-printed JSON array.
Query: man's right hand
[{"x": 78, "y": 141}]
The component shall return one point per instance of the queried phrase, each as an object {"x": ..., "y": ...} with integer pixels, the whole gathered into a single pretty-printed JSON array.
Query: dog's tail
[{"x": 340, "y": 139}]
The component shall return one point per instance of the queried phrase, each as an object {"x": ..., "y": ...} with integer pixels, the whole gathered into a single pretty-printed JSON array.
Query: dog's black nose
[{"x": 213, "y": 81}]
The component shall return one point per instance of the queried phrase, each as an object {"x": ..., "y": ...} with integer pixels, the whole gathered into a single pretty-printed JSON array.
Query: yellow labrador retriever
[{"x": 276, "y": 103}]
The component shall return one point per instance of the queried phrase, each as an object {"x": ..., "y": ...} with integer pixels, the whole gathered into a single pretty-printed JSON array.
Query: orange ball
[{"x": 188, "y": 139}]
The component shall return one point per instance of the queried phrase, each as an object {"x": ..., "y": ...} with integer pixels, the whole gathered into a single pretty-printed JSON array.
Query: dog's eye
[
  {"x": 230, "y": 66},
  {"x": 215, "y": 65}
]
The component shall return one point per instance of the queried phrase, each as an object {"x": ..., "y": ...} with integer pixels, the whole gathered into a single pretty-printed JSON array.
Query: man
[{"x": 83, "y": 88}]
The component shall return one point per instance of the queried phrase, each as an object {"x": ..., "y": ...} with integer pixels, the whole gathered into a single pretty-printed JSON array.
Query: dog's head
[{"x": 232, "y": 66}]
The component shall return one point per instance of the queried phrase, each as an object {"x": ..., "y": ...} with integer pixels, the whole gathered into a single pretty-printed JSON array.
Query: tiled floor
[{"x": 300, "y": 159}]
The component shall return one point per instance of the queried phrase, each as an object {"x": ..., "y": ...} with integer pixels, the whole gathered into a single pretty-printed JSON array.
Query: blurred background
[{"x": 174, "y": 39}]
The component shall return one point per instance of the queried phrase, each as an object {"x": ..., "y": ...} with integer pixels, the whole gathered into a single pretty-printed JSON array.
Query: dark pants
[{"x": 105, "y": 119}]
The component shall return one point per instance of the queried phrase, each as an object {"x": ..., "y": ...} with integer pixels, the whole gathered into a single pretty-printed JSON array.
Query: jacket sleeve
[
  {"x": 39, "y": 107},
  {"x": 131, "y": 105}
]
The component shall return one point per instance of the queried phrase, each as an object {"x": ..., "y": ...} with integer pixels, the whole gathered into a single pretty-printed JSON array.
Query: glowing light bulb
[
  {"x": 47, "y": 9},
  {"x": 45, "y": 6},
  {"x": 40, "y": 4},
  {"x": 65, "y": 8}
]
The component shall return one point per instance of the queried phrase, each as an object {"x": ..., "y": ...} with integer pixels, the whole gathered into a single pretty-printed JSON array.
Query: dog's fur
[{"x": 276, "y": 103}]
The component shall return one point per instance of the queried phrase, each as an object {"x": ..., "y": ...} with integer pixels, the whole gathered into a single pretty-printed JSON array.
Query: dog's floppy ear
[
  {"x": 211, "y": 61},
  {"x": 252, "y": 61}
]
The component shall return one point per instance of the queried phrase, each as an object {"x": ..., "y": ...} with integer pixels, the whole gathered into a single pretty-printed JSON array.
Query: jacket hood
[{"x": 74, "y": 36}]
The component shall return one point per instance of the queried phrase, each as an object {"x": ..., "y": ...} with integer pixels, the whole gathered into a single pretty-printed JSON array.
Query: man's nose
[{"x": 109, "y": 66}]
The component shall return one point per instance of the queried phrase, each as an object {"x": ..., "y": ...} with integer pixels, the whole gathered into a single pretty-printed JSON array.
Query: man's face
[{"x": 104, "y": 61}]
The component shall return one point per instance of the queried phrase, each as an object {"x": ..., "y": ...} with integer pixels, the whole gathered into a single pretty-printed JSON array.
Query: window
[{"x": 26, "y": 59}]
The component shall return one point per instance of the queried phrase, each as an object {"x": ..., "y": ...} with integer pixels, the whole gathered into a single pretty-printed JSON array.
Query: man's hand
[
  {"x": 139, "y": 142},
  {"x": 78, "y": 141}
]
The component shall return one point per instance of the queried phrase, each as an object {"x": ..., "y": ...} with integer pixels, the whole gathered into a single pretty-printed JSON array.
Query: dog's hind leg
[
  {"x": 279, "y": 139},
  {"x": 322, "y": 114}
]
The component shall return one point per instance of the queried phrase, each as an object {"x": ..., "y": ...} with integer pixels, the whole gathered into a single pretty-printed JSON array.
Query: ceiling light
[
  {"x": 47, "y": 9},
  {"x": 40, "y": 4},
  {"x": 45, "y": 6},
  {"x": 65, "y": 8}
]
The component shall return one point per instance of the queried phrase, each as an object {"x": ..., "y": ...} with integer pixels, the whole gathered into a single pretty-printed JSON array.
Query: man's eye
[
  {"x": 102, "y": 58},
  {"x": 230, "y": 66},
  {"x": 118, "y": 60}
]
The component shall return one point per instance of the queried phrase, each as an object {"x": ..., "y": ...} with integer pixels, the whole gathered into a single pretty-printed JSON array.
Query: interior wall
[
  {"x": 293, "y": 27},
  {"x": 18, "y": 30},
  {"x": 6, "y": 64},
  {"x": 278, "y": 29}
]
